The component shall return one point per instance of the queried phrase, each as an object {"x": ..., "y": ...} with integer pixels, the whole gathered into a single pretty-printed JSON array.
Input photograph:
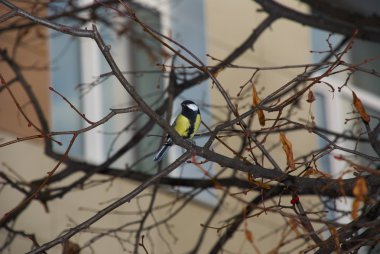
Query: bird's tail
[{"x": 162, "y": 151}]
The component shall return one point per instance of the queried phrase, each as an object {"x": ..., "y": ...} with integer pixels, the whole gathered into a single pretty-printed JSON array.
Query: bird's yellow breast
[
  {"x": 196, "y": 125},
  {"x": 183, "y": 126}
]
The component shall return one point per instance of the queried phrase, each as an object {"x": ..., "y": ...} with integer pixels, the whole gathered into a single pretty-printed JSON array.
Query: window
[
  {"x": 78, "y": 61},
  {"x": 333, "y": 109},
  {"x": 76, "y": 68}
]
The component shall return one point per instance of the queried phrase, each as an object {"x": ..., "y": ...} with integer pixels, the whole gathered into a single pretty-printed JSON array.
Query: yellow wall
[
  {"x": 284, "y": 43},
  {"x": 33, "y": 57},
  {"x": 65, "y": 213}
]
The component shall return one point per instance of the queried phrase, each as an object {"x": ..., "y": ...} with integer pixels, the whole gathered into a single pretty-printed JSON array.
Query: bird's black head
[
  {"x": 190, "y": 105},
  {"x": 187, "y": 102}
]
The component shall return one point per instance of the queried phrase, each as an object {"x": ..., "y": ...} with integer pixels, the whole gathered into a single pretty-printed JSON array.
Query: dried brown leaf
[
  {"x": 253, "y": 181},
  {"x": 360, "y": 192},
  {"x": 336, "y": 238},
  {"x": 287, "y": 146},
  {"x": 310, "y": 97},
  {"x": 360, "y": 189},
  {"x": 314, "y": 172},
  {"x": 248, "y": 235},
  {"x": 256, "y": 101},
  {"x": 360, "y": 108},
  {"x": 311, "y": 172},
  {"x": 261, "y": 115}
]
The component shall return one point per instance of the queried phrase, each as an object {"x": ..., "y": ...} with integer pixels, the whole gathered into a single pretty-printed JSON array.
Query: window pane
[
  {"x": 146, "y": 53},
  {"x": 361, "y": 51},
  {"x": 137, "y": 55},
  {"x": 65, "y": 76},
  {"x": 321, "y": 121}
]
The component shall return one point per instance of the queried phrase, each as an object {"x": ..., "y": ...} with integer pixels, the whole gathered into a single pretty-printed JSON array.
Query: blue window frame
[{"x": 77, "y": 65}]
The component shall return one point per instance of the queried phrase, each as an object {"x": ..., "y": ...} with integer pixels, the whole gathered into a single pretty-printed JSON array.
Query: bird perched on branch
[{"x": 186, "y": 125}]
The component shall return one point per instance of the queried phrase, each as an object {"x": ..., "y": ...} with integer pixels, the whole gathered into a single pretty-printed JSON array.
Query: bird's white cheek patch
[{"x": 192, "y": 107}]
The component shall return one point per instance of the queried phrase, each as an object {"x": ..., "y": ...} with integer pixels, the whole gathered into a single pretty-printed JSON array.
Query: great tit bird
[{"x": 186, "y": 125}]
